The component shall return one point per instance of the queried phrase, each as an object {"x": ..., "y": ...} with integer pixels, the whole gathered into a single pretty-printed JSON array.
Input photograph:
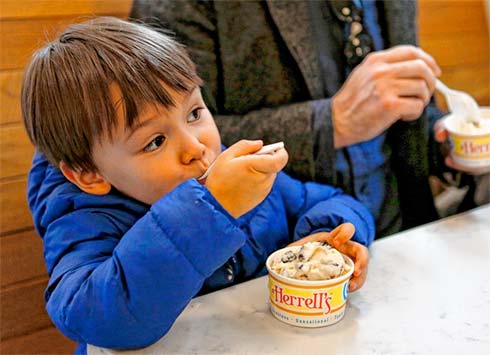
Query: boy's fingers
[
  {"x": 321, "y": 236},
  {"x": 355, "y": 283},
  {"x": 358, "y": 253},
  {"x": 361, "y": 254},
  {"x": 345, "y": 246},
  {"x": 357, "y": 271},
  {"x": 360, "y": 271},
  {"x": 243, "y": 147},
  {"x": 330, "y": 236},
  {"x": 267, "y": 163},
  {"x": 352, "y": 285},
  {"x": 341, "y": 234},
  {"x": 361, "y": 264}
]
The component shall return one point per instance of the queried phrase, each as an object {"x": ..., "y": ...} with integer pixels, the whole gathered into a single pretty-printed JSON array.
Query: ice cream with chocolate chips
[{"x": 313, "y": 261}]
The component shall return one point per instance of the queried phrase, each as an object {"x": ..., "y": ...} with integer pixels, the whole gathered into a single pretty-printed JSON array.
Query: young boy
[{"x": 130, "y": 234}]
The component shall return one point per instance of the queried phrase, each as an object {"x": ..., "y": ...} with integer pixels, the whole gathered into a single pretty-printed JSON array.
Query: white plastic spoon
[
  {"x": 266, "y": 149},
  {"x": 460, "y": 103}
]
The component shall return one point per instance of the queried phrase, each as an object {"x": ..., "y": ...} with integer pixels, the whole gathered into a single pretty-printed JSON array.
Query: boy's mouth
[{"x": 206, "y": 173}]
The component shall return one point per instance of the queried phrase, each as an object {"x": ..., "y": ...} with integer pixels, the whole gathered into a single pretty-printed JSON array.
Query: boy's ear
[{"x": 89, "y": 182}]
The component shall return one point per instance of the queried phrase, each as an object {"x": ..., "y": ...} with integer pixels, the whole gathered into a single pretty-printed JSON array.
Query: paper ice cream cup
[
  {"x": 469, "y": 145},
  {"x": 305, "y": 303}
]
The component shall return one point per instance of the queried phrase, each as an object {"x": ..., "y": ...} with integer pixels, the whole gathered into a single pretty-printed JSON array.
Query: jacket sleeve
[
  {"x": 305, "y": 127},
  {"x": 124, "y": 289},
  {"x": 317, "y": 207}
]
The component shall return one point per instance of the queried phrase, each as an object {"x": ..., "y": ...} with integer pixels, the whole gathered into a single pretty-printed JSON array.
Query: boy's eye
[
  {"x": 195, "y": 115},
  {"x": 154, "y": 144}
]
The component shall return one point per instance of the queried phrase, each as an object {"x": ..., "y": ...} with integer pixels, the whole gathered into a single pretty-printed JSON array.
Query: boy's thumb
[{"x": 341, "y": 234}]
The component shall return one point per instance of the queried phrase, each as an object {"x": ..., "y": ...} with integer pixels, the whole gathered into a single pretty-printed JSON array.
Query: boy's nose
[{"x": 191, "y": 148}]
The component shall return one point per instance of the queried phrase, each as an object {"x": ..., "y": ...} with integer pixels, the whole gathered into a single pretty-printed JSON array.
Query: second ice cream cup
[
  {"x": 470, "y": 145},
  {"x": 306, "y": 303}
]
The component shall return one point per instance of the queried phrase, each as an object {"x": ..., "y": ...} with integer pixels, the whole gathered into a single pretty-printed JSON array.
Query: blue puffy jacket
[{"x": 122, "y": 271}]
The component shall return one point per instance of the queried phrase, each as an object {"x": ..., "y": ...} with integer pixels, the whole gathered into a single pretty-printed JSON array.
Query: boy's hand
[
  {"x": 339, "y": 238},
  {"x": 241, "y": 180}
]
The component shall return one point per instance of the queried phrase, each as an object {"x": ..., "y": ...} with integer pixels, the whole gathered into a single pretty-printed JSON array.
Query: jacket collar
[
  {"x": 292, "y": 20},
  {"x": 398, "y": 16}
]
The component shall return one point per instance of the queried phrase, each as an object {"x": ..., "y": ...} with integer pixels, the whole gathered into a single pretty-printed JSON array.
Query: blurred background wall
[
  {"x": 455, "y": 32},
  {"x": 25, "y": 25}
]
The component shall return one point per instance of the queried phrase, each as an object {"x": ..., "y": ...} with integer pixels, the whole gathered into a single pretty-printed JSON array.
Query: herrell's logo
[
  {"x": 475, "y": 148},
  {"x": 316, "y": 301}
]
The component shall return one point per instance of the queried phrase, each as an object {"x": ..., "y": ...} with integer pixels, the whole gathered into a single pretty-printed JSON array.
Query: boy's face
[{"x": 164, "y": 148}]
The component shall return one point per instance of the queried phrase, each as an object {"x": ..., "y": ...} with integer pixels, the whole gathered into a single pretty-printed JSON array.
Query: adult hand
[
  {"x": 388, "y": 85},
  {"x": 241, "y": 180},
  {"x": 339, "y": 238},
  {"x": 440, "y": 135}
]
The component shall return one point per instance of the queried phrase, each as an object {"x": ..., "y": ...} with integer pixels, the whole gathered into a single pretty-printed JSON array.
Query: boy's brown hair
[{"x": 66, "y": 97}]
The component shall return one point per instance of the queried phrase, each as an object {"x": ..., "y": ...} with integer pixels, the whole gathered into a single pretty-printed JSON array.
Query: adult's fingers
[
  {"x": 415, "y": 69},
  {"x": 440, "y": 133},
  {"x": 409, "y": 108},
  {"x": 472, "y": 171},
  {"x": 407, "y": 52},
  {"x": 413, "y": 88}
]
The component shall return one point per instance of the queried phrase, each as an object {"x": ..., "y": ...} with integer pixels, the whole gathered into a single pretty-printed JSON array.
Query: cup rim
[
  {"x": 328, "y": 282},
  {"x": 450, "y": 119}
]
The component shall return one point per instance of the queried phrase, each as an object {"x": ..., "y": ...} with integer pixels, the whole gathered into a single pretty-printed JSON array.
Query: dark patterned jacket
[{"x": 260, "y": 67}]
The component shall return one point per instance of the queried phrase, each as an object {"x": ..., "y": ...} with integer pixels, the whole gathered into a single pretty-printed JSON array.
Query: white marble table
[{"x": 427, "y": 292}]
